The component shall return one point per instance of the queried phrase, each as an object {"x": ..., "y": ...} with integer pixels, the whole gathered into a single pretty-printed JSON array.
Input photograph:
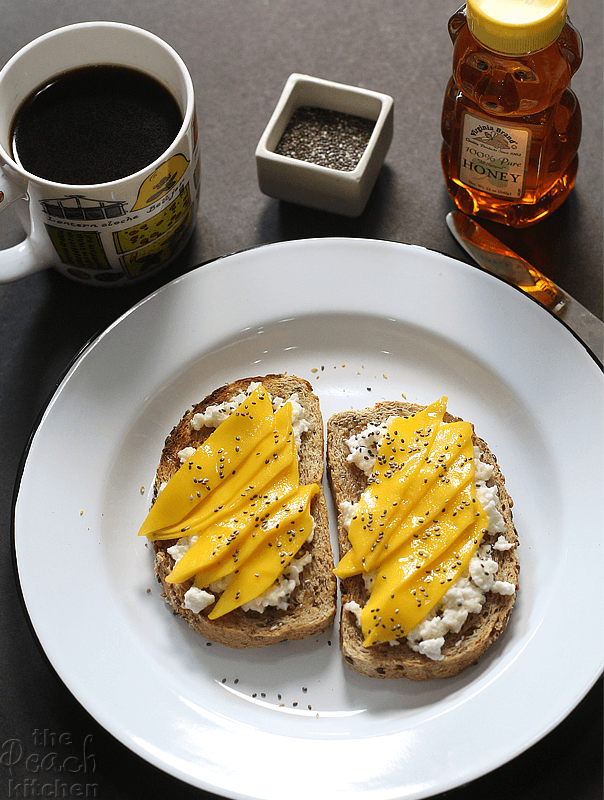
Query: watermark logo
[{"x": 51, "y": 765}]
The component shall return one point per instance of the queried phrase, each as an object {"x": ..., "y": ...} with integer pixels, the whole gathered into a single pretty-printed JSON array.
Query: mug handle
[{"x": 20, "y": 260}]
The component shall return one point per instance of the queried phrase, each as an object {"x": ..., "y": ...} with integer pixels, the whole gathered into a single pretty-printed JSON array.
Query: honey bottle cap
[{"x": 516, "y": 26}]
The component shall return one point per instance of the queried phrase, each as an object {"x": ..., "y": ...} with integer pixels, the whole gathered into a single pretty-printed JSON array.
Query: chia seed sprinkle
[{"x": 328, "y": 138}]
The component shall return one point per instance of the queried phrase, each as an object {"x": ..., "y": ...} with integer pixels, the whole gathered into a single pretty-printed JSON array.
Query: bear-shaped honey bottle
[{"x": 511, "y": 125}]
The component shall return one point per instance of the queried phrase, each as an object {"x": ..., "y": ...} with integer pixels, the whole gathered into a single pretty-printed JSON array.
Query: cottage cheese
[
  {"x": 185, "y": 454},
  {"x": 364, "y": 446},
  {"x": 502, "y": 544},
  {"x": 214, "y": 415},
  {"x": 346, "y": 509},
  {"x": 198, "y": 599}
]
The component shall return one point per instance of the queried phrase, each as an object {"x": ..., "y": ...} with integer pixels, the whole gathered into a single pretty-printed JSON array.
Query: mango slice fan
[
  {"x": 240, "y": 495},
  {"x": 418, "y": 523}
]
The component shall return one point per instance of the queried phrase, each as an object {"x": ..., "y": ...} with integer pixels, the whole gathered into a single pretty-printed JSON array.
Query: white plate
[{"x": 362, "y": 320}]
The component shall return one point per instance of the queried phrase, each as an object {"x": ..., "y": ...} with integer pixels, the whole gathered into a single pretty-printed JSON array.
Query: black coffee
[{"x": 94, "y": 124}]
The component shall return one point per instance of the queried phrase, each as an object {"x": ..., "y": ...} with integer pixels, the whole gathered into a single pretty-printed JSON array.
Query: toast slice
[
  {"x": 312, "y": 604},
  {"x": 480, "y": 630}
]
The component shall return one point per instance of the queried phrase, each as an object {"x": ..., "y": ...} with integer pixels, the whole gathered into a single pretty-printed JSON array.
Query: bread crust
[
  {"x": 313, "y": 603},
  {"x": 479, "y": 631}
]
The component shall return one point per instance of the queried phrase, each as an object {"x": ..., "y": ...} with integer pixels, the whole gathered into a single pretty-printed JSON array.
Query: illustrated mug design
[{"x": 110, "y": 233}]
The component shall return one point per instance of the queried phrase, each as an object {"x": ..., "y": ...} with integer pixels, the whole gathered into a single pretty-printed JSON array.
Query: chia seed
[{"x": 327, "y": 138}]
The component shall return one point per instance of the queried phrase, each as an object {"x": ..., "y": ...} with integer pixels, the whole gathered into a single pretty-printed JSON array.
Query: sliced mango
[
  {"x": 220, "y": 454},
  {"x": 268, "y": 465},
  {"x": 260, "y": 571},
  {"x": 401, "y": 455},
  {"x": 223, "y": 545},
  {"x": 417, "y": 524},
  {"x": 240, "y": 494}
]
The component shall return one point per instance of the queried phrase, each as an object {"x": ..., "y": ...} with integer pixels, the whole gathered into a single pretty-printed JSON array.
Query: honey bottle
[{"x": 511, "y": 125}]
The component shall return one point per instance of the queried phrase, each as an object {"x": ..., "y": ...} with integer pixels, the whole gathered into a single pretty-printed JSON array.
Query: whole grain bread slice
[
  {"x": 312, "y": 605},
  {"x": 479, "y": 631}
]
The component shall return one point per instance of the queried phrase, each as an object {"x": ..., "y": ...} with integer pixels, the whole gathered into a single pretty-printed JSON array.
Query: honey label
[{"x": 493, "y": 157}]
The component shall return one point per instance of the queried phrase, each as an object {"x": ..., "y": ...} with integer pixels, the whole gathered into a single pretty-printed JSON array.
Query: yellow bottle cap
[{"x": 516, "y": 26}]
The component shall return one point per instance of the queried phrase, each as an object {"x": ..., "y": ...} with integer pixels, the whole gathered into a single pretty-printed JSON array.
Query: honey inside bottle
[{"x": 511, "y": 126}]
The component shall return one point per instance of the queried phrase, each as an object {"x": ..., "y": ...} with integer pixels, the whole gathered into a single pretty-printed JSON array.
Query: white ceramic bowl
[{"x": 310, "y": 184}]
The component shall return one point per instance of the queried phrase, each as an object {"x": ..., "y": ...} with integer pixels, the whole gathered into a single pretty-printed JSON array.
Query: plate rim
[{"x": 92, "y": 341}]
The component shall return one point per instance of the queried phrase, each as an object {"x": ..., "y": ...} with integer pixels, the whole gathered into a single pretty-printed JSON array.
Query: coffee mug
[{"x": 103, "y": 198}]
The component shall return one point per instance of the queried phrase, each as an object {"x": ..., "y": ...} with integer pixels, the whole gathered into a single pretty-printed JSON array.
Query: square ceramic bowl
[{"x": 311, "y": 184}]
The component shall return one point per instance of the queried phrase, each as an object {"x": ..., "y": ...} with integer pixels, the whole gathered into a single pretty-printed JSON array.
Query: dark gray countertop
[{"x": 240, "y": 53}]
